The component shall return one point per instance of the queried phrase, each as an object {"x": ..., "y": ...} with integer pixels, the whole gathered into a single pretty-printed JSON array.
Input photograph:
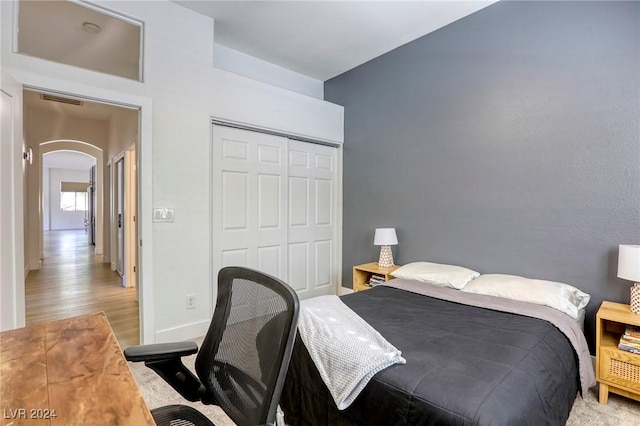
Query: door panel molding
[
  {"x": 273, "y": 208},
  {"x": 315, "y": 222}
]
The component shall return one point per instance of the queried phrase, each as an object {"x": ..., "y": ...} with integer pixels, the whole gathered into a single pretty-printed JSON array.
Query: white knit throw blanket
[{"x": 346, "y": 350}]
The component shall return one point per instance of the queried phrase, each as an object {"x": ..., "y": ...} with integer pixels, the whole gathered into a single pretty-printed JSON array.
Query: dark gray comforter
[{"x": 466, "y": 365}]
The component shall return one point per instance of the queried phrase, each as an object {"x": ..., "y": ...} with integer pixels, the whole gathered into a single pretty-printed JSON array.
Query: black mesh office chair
[{"x": 244, "y": 357}]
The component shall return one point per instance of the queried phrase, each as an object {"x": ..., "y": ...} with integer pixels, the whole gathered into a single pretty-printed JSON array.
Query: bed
[{"x": 465, "y": 364}]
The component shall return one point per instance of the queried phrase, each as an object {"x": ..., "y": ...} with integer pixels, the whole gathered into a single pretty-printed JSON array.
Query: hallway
[{"x": 73, "y": 281}]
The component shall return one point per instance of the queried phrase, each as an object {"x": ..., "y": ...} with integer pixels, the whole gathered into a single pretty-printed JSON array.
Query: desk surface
[{"x": 73, "y": 367}]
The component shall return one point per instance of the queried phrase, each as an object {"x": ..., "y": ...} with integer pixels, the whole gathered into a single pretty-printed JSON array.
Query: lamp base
[
  {"x": 635, "y": 299},
  {"x": 386, "y": 258}
]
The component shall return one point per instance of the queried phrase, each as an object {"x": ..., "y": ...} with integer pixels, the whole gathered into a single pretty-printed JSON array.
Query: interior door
[
  {"x": 12, "y": 169},
  {"x": 130, "y": 228},
  {"x": 312, "y": 230},
  {"x": 250, "y": 202},
  {"x": 119, "y": 217}
]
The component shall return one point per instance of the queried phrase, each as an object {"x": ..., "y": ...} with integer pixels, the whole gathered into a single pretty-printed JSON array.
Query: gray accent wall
[{"x": 507, "y": 142}]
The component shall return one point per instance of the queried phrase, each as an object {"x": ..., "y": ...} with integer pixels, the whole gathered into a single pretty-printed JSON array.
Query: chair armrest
[
  {"x": 160, "y": 351},
  {"x": 166, "y": 360}
]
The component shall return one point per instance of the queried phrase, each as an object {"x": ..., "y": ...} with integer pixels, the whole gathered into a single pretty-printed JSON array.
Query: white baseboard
[
  {"x": 183, "y": 332},
  {"x": 344, "y": 290},
  {"x": 113, "y": 266},
  {"x": 35, "y": 264},
  {"x": 26, "y": 271}
]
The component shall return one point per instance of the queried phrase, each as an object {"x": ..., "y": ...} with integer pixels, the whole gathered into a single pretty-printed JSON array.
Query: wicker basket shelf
[{"x": 617, "y": 371}]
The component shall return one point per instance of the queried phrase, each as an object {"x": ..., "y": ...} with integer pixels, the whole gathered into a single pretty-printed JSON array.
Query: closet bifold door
[
  {"x": 273, "y": 208},
  {"x": 249, "y": 201}
]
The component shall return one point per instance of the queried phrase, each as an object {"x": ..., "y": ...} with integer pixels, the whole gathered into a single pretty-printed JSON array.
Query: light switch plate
[{"x": 163, "y": 215}]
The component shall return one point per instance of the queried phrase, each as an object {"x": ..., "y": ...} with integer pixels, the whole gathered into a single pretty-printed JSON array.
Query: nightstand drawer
[{"x": 620, "y": 368}]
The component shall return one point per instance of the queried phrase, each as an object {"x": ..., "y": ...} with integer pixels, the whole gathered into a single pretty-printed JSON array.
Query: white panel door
[
  {"x": 120, "y": 222},
  {"x": 249, "y": 205},
  {"x": 12, "y": 170},
  {"x": 312, "y": 230}
]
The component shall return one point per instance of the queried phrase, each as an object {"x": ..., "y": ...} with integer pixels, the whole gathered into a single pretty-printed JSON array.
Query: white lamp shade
[
  {"x": 385, "y": 237},
  {"x": 629, "y": 263}
]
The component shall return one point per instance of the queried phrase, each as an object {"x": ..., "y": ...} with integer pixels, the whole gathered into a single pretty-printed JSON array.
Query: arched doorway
[
  {"x": 90, "y": 150},
  {"x": 68, "y": 192}
]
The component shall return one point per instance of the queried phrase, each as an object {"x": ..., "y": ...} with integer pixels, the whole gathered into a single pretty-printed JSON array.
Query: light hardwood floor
[{"x": 73, "y": 281}]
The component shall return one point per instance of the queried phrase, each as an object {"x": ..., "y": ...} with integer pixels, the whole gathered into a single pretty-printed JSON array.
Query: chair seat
[{"x": 179, "y": 415}]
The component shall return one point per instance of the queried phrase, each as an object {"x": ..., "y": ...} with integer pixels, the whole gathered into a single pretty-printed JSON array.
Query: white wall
[
  {"x": 123, "y": 132},
  {"x": 59, "y": 219},
  {"x": 185, "y": 91},
  {"x": 248, "y": 66},
  {"x": 46, "y": 200}
]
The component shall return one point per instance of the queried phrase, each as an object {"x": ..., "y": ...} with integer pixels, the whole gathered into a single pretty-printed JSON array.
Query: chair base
[{"x": 181, "y": 415}]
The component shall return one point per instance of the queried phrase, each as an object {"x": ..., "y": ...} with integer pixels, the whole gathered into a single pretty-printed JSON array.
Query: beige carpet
[
  {"x": 619, "y": 411},
  {"x": 158, "y": 393},
  {"x": 586, "y": 412}
]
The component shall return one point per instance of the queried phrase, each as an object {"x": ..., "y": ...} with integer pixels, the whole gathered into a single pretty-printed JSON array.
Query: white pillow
[
  {"x": 563, "y": 297},
  {"x": 436, "y": 273}
]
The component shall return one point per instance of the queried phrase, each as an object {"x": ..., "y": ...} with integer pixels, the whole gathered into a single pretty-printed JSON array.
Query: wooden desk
[{"x": 73, "y": 368}]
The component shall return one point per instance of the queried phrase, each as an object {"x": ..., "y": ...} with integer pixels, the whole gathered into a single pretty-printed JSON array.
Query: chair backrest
[{"x": 244, "y": 357}]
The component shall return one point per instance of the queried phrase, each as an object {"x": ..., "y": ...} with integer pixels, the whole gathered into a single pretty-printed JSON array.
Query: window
[
  {"x": 73, "y": 196},
  {"x": 81, "y": 35},
  {"x": 73, "y": 201}
]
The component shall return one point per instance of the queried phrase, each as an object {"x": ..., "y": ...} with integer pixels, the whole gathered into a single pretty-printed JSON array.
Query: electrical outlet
[{"x": 191, "y": 301}]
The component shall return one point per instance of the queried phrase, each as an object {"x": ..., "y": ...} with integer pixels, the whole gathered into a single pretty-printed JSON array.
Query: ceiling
[
  {"x": 68, "y": 160},
  {"x": 87, "y": 110},
  {"x": 322, "y": 39}
]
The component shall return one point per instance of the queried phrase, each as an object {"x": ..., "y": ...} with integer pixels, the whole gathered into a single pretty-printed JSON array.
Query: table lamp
[
  {"x": 629, "y": 269},
  {"x": 385, "y": 237}
]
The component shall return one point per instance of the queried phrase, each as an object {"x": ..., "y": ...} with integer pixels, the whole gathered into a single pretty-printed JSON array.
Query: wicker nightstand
[
  {"x": 362, "y": 274},
  {"x": 617, "y": 371}
]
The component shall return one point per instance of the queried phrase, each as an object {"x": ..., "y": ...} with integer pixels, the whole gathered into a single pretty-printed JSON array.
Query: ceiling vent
[{"x": 60, "y": 99}]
